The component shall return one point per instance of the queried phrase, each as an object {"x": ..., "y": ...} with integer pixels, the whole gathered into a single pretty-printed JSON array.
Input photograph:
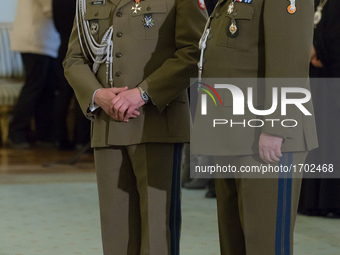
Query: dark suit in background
[
  {"x": 63, "y": 16},
  {"x": 210, "y": 4},
  {"x": 322, "y": 196}
]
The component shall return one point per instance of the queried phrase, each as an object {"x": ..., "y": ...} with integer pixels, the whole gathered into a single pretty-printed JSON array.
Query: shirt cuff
[{"x": 93, "y": 106}]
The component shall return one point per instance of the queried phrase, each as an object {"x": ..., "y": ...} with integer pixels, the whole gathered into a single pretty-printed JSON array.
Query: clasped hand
[{"x": 119, "y": 103}]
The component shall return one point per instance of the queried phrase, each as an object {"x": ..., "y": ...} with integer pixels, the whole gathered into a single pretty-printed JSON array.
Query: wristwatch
[{"x": 143, "y": 94}]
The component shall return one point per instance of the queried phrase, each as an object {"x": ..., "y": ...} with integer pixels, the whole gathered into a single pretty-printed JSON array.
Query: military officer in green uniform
[
  {"x": 129, "y": 63},
  {"x": 268, "y": 40}
]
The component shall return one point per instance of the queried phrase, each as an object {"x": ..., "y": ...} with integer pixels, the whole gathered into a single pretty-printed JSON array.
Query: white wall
[{"x": 7, "y": 10}]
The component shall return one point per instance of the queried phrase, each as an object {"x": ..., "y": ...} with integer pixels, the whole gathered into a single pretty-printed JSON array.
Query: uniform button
[
  {"x": 118, "y": 74},
  {"x": 119, "y": 14},
  {"x": 118, "y": 55},
  {"x": 210, "y": 36},
  {"x": 217, "y": 15},
  {"x": 148, "y": 9},
  {"x": 96, "y": 14},
  {"x": 119, "y": 34}
]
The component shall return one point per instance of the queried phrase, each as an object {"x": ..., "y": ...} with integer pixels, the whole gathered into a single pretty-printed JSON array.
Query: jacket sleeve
[
  {"x": 288, "y": 43},
  {"x": 173, "y": 77},
  {"x": 78, "y": 72}
]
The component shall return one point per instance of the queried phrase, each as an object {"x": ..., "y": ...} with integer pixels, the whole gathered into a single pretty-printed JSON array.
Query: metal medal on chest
[
  {"x": 231, "y": 7},
  {"x": 292, "y": 7},
  {"x": 94, "y": 28},
  {"x": 148, "y": 21},
  {"x": 136, "y": 8},
  {"x": 233, "y": 29}
]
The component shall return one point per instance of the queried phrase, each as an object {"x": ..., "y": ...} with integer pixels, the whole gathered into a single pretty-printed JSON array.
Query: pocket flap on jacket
[{"x": 97, "y": 12}]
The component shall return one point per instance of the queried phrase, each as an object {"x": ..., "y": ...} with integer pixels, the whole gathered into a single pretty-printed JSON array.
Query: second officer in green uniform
[{"x": 256, "y": 39}]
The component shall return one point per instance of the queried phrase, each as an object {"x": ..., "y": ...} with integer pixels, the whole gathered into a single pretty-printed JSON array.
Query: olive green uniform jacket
[
  {"x": 160, "y": 59},
  {"x": 271, "y": 43}
]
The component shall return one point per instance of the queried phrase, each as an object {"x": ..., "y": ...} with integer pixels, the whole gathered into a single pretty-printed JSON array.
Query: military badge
[
  {"x": 232, "y": 30},
  {"x": 233, "y": 27},
  {"x": 94, "y": 28},
  {"x": 136, "y": 8},
  {"x": 201, "y": 4},
  {"x": 291, "y": 8},
  {"x": 148, "y": 21},
  {"x": 231, "y": 7}
]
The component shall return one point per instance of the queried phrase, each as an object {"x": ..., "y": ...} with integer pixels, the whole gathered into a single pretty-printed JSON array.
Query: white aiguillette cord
[
  {"x": 95, "y": 50},
  {"x": 202, "y": 45}
]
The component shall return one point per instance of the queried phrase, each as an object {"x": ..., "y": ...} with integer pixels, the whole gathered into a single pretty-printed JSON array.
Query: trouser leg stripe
[
  {"x": 175, "y": 207},
  {"x": 282, "y": 242}
]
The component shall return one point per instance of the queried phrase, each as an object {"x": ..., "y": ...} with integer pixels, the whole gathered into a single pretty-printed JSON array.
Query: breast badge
[
  {"x": 291, "y": 8},
  {"x": 231, "y": 7},
  {"x": 94, "y": 28},
  {"x": 136, "y": 8},
  {"x": 148, "y": 22},
  {"x": 232, "y": 30}
]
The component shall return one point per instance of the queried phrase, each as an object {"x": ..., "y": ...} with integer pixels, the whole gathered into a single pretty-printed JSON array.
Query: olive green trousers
[
  {"x": 256, "y": 216},
  {"x": 139, "y": 197}
]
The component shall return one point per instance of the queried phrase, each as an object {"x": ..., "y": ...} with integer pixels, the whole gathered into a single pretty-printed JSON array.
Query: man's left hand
[{"x": 125, "y": 103}]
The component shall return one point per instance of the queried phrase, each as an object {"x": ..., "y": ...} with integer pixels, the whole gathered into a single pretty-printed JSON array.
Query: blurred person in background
[
  {"x": 321, "y": 196},
  {"x": 36, "y": 38},
  {"x": 63, "y": 17}
]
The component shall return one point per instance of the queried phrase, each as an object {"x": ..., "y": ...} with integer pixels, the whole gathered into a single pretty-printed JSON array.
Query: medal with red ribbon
[
  {"x": 136, "y": 8},
  {"x": 292, "y": 7}
]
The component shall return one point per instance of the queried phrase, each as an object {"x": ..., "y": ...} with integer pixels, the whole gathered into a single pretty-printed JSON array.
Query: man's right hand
[
  {"x": 104, "y": 98},
  {"x": 270, "y": 148},
  {"x": 314, "y": 59}
]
